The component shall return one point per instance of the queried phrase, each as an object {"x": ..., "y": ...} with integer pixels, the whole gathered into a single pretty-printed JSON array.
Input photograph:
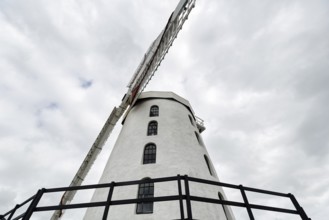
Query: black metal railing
[{"x": 180, "y": 197}]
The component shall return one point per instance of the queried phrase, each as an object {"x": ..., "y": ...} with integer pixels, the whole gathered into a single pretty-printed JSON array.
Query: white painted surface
[{"x": 178, "y": 152}]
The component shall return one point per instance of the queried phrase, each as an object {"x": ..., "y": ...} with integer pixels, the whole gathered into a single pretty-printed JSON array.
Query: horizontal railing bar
[
  {"x": 210, "y": 182},
  {"x": 71, "y": 188},
  {"x": 113, "y": 202},
  {"x": 217, "y": 201},
  {"x": 20, "y": 205},
  {"x": 19, "y": 217},
  {"x": 154, "y": 180},
  {"x": 239, "y": 204},
  {"x": 265, "y": 191},
  {"x": 7, "y": 213},
  {"x": 164, "y": 179},
  {"x": 106, "y": 185},
  {"x": 28, "y": 200},
  {"x": 70, "y": 206},
  {"x": 154, "y": 199},
  {"x": 274, "y": 209}
]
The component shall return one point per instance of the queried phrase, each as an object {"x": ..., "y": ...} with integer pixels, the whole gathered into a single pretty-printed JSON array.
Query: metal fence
[{"x": 182, "y": 197}]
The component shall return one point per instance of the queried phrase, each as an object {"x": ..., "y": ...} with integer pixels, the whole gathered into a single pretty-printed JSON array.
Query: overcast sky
[{"x": 255, "y": 71}]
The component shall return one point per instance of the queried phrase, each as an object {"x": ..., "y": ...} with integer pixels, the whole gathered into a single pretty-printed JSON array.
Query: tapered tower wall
[{"x": 178, "y": 151}]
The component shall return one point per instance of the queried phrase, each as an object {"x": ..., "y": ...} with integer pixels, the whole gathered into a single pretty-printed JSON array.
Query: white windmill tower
[{"x": 160, "y": 137}]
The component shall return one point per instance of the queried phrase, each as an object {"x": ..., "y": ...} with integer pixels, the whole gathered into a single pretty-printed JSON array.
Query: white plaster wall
[{"x": 178, "y": 152}]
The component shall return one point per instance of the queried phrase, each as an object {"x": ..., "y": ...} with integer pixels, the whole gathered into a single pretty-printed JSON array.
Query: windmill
[
  {"x": 146, "y": 69},
  {"x": 179, "y": 115}
]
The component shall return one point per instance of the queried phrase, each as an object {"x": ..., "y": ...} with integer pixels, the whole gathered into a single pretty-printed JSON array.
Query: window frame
[
  {"x": 208, "y": 165},
  {"x": 142, "y": 207},
  {"x": 154, "y": 111},
  {"x": 225, "y": 208},
  {"x": 149, "y": 155},
  {"x": 152, "y": 130},
  {"x": 198, "y": 137},
  {"x": 191, "y": 120}
]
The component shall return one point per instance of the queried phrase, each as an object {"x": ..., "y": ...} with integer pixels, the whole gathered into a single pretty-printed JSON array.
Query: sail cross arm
[{"x": 91, "y": 157}]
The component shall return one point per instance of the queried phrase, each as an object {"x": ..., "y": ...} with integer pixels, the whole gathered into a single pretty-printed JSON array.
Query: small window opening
[
  {"x": 198, "y": 138},
  {"x": 149, "y": 154},
  {"x": 208, "y": 164},
  {"x": 145, "y": 190},
  {"x": 152, "y": 128},
  {"x": 154, "y": 111},
  {"x": 191, "y": 120},
  {"x": 224, "y": 207}
]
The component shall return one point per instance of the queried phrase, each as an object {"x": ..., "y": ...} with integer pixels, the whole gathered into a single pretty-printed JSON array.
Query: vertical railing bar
[
  {"x": 304, "y": 214},
  {"x": 298, "y": 208},
  {"x": 109, "y": 198},
  {"x": 188, "y": 199},
  {"x": 244, "y": 196},
  {"x": 181, "y": 207},
  {"x": 13, "y": 212},
  {"x": 33, "y": 204}
]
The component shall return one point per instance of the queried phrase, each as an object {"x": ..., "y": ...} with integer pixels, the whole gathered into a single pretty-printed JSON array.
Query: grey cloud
[
  {"x": 7, "y": 197},
  {"x": 86, "y": 83},
  {"x": 312, "y": 133}
]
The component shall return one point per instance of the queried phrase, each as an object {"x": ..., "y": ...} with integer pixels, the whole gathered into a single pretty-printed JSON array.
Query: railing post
[
  {"x": 181, "y": 207},
  {"x": 188, "y": 199},
  {"x": 12, "y": 213},
  {"x": 33, "y": 204},
  {"x": 244, "y": 196},
  {"x": 299, "y": 209},
  {"x": 108, "y": 202}
]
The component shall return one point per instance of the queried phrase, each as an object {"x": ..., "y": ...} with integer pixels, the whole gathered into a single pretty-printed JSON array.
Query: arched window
[
  {"x": 152, "y": 128},
  {"x": 198, "y": 138},
  {"x": 208, "y": 164},
  {"x": 149, "y": 154},
  {"x": 145, "y": 190},
  {"x": 154, "y": 111},
  {"x": 224, "y": 207},
  {"x": 191, "y": 120}
]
